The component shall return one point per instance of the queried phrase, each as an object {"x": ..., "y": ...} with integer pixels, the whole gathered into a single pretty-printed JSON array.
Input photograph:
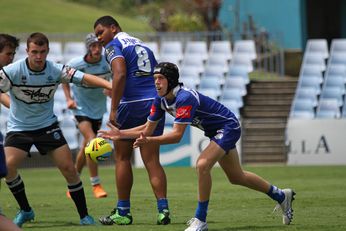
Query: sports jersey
[
  {"x": 90, "y": 100},
  {"x": 191, "y": 107},
  {"x": 32, "y": 93},
  {"x": 140, "y": 63}
]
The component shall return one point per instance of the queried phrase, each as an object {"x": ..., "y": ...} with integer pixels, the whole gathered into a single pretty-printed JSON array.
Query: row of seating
[{"x": 321, "y": 88}]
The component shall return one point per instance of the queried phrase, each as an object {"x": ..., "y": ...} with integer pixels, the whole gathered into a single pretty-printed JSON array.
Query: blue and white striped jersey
[
  {"x": 140, "y": 63},
  {"x": 191, "y": 107},
  {"x": 90, "y": 100},
  {"x": 32, "y": 93}
]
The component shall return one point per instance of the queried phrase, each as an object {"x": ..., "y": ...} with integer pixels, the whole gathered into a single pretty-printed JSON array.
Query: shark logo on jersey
[{"x": 30, "y": 94}]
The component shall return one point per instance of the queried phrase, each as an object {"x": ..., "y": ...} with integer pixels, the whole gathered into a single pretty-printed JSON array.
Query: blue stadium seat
[
  {"x": 197, "y": 48},
  {"x": 232, "y": 105},
  {"x": 312, "y": 59},
  {"x": 338, "y": 45},
  {"x": 171, "y": 51},
  {"x": 307, "y": 93},
  {"x": 332, "y": 93},
  {"x": 236, "y": 82},
  {"x": 317, "y": 47},
  {"x": 239, "y": 71},
  {"x": 328, "y": 108},
  {"x": 232, "y": 94},
  {"x": 302, "y": 108},
  {"x": 222, "y": 49},
  {"x": 73, "y": 50},
  {"x": 246, "y": 47},
  {"x": 190, "y": 81}
]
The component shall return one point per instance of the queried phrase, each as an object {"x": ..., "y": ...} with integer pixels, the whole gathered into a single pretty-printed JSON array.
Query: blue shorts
[
  {"x": 227, "y": 137},
  {"x": 136, "y": 113}
]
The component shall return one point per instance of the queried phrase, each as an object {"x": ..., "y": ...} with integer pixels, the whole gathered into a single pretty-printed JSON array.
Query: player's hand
[
  {"x": 112, "y": 120},
  {"x": 112, "y": 134},
  {"x": 107, "y": 93},
  {"x": 140, "y": 141},
  {"x": 71, "y": 104}
]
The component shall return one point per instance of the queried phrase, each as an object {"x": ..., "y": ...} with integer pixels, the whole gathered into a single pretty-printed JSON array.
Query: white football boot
[
  {"x": 196, "y": 225},
  {"x": 286, "y": 206}
]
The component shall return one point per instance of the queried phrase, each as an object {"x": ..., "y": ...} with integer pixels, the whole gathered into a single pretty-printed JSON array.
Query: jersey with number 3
[{"x": 140, "y": 63}]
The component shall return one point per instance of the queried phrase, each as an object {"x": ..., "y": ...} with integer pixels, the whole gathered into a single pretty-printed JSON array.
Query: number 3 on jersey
[{"x": 143, "y": 61}]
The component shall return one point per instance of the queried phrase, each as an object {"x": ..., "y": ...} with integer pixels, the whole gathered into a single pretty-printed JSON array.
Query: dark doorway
[{"x": 323, "y": 19}]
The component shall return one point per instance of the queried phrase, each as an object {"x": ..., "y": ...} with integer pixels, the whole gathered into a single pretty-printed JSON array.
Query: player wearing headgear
[
  {"x": 89, "y": 105},
  {"x": 132, "y": 64},
  {"x": 219, "y": 124},
  {"x": 32, "y": 83}
]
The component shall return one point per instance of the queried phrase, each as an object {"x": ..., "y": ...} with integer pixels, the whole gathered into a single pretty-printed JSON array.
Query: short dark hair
[
  {"x": 8, "y": 40},
  {"x": 106, "y": 21},
  {"x": 37, "y": 38}
]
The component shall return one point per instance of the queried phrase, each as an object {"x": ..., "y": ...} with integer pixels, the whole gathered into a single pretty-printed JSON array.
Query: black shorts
[
  {"x": 95, "y": 123},
  {"x": 45, "y": 139}
]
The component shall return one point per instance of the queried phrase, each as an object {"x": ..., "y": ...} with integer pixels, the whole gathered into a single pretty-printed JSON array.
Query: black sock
[
  {"x": 18, "y": 190},
  {"x": 78, "y": 196}
]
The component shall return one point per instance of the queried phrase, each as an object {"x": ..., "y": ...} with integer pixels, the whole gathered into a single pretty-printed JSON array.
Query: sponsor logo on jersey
[
  {"x": 24, "y": 79},
  {"x": 184, "y": 112},
  {"x": 152, "y": 110},
  {"x": 110, "y": 52},
  {"x": 219, "y": 134}
]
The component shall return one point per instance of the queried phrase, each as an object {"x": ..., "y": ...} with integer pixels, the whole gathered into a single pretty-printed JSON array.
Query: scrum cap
[
  {"x": 170, "y": 71},
  {"x": 90, "y": 39}
]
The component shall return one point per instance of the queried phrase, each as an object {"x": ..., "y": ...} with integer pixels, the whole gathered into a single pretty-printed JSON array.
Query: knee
[
  {"x": 237, "y": 179},
  {"x": 203, "y": 167}
]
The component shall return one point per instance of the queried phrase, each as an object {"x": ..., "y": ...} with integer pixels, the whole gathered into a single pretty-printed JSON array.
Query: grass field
[{"x": 320, "y": 201}]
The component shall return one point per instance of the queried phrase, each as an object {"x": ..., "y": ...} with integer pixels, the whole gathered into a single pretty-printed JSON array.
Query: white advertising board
[{"x": 316, "y": 142}]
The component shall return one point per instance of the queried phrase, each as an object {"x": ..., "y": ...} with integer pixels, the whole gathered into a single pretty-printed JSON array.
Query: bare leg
[
  {"x": 231, "y": 166},
  {"x": 150, "y": 155}
]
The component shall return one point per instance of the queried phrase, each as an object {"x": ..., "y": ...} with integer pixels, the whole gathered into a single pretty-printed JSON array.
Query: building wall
[{"x": 281, "y": 18}]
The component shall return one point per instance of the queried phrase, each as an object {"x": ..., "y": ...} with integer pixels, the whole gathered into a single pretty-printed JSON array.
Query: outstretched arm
[
  {"x": 93, "y": 80},
  {"x": 168, "y": 138},
  {"x": 115, "y": 134}
]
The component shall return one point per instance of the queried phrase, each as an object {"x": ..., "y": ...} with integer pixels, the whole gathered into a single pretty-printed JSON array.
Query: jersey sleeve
[
  {"x": 156, "y": 112},
  {"x": 186, "y": 106},
  {"x": 5, "y": 83},
  {"x": 71, "y": 75},
  {"x": 112, "y": 52}
]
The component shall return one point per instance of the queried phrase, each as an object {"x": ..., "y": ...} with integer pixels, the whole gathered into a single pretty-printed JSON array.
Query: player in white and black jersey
[{"x": 32, "y": 83}]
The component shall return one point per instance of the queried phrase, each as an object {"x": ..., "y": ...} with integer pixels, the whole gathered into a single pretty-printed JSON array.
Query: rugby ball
[{"x": 98, "y": 149}]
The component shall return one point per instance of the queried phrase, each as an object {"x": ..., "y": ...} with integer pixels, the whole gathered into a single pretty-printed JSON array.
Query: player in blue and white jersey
[
  {"x": 132, "y": 64},
  {"x": 89, "y": 105},
  {"x": 8, "y": 46},
  {"x": 219, "y": 124},
  {"x": 32, "y": 83}
]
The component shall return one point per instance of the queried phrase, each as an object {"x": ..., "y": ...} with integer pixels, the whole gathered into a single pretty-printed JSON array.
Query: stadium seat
[
  {"x": 155, "y": 49},
  {"x": 55, "y": 52},
  {"x": 239, "y": 71},
  {"x": 222, "y": 49},
  {"x": 194, "y": 61},
  {"x": 236, "y": 82},
  {"x": 328, "y": 108},
  {"x": 338, "y": 45},
  {"x": 336, "y": 70},
  {"x": 332, "y": 93},
  {"x": 171, "y": 50},
  {"x": 220, "y": 62},
  {"x": 245, "y": 47},
  {"x": 338, "y": 58},
  {"x": 189, "y": 81},
  {"x": 232, "y": 94},
  {"x": 232, "y": 105},
  {"x": 312, "y": 59},
  {"x": 335, "y": 81},
  {"x": 317, "y": 47},
  {"x": 307, "y": 93},
  {"x": 197, "y": 48},
  {"x": 310, "y": 69},
  {"x": 212, "y": 93},
  {"x": 214, "y": 84},
  {"x": 343, "y": 111},
  {"x": 20, "y": 52},
  {"x": 302, "y": 108},
  {"x": 313, "y": 82},
  {"x": 242, "y": 60},
  {"x": 73, "y": 50},
  {"x": 189, "y": 71},
  {"x": 214, "y": 72}
]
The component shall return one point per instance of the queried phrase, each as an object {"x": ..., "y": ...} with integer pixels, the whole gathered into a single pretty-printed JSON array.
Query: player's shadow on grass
[{"x": 50, "y": 224}]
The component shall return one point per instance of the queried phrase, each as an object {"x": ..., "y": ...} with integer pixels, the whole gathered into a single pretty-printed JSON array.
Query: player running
[
  {"x": 32, "y": 83},
  {"x": 218, "y": 123},
  {"x": 89, "y": 105}
]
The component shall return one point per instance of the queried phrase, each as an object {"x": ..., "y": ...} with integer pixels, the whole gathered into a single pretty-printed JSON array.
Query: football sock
[
  {"x": 162, "y": 204},
  {"x": 18, "y": 190},
  {"x": 123, "y": 207},
  {"x": 78, "y": 197},
  {"x": 95, "y": 180},
  {"x": 201, "y": 211},
  {"x": 276, "y": 194}
]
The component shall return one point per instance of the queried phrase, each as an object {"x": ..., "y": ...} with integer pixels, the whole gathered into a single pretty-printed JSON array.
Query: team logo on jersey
[
  {"x": 56, "y": 135},
  {"x": 152, "y": 110},
  {"x": 183, "y": 112},
  {"x": 219, "y": 134},
  {"x": 109, "y": 52},
  {"x": 24, "y": 79}
]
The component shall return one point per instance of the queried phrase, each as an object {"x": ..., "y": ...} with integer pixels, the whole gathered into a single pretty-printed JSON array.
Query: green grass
[
  {"x": 320, "y": 202},
  {"x": 21, "y": 16}
]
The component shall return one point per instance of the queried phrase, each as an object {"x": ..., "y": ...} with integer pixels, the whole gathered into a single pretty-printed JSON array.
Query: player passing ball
[{"x": 219, "y": 124}]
